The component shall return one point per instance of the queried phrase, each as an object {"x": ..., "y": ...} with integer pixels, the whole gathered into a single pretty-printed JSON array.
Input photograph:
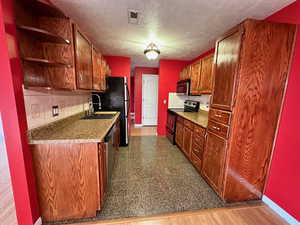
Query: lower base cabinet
[
  {"x": 213, "y": 161},
  {"x": 70, "y": 179},
  {"x": 179, "y": 134},
  {"x": 187, "y": 141}
]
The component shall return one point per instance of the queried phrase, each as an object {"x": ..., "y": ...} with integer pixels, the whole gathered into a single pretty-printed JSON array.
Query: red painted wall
[
  {"x": 138, "y": 71},
  {"x": 284, "y": 177},
  {"x": 14, "y": 120},
  {"x": 168, "y": 76}
]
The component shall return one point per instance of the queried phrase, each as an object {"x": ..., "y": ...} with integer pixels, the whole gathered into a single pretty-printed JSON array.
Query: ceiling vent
[{"x": 133, "y": 16}]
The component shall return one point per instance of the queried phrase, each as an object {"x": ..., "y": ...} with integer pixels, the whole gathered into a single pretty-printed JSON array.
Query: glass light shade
[{"x": 151, "y": 51}]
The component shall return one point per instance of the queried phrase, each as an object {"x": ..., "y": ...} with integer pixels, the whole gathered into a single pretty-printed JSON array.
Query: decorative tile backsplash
[{"x": 39, "y": 106}]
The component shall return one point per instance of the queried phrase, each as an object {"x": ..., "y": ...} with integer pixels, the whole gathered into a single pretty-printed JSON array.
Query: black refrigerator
[{"x": 116, "y": 98}]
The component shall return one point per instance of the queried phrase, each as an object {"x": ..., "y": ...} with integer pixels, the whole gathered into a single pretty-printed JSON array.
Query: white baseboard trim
[
  {"x": 39, "y": 221},
  {"x": 280, "y": 211},
  {"x": 138, "y": 125}
]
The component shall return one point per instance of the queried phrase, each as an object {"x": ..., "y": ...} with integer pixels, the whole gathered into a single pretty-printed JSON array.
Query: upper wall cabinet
[
  {"x": 226, "y": 63},
  {"x": 83, "y": 60},
  {"x": 99, "y": 75},
  {"x": 206, "y": 77},
  {"x": 195, "y": 77},
  {"x": 45, "y": 44},
  {"x": 54, "y": 54},
  {"x": 200, "y": 75}
]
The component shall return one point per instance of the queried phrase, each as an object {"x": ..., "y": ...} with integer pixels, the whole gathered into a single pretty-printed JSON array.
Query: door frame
[{"x": 142, "y": 111}]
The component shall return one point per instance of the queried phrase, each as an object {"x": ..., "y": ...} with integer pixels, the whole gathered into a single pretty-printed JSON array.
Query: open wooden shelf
[
  {"x": 43, "y": 8},
  {"x": 43, "y": 35},
  {"x": 45, "y": 62}
]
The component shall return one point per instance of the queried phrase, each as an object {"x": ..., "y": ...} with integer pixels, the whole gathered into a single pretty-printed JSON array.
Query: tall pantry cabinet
[{"x": 250, "y": 68}]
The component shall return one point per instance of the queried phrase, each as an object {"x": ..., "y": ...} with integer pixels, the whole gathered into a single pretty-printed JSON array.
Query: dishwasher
[{"x": 110, "y": 154}]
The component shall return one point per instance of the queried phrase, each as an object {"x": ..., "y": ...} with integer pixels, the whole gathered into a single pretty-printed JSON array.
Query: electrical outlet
[{"x": 55, "y": 111}]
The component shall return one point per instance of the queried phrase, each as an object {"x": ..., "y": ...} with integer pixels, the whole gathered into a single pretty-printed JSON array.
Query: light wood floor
[
  {"x": 143, "y": 131},
  {"x": 7, "y": 206},
  {"x": 243, "y": 215}
]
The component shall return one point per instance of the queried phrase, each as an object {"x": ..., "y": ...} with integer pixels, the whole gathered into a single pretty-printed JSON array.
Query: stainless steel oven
[
  {"x": 189, "y": 106},
  {"x": 183, "y": 87}
]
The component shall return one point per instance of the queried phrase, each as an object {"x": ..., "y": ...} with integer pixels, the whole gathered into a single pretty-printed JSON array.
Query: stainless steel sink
[{"x": 98, "y": 116}]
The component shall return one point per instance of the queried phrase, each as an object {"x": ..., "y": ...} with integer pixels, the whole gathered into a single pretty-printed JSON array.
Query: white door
[{"x": 149, "y": 99}]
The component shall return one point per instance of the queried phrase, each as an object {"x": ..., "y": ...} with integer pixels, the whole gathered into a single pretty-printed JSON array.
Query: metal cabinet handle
[
  {"x": 216, "y": 128},
  {"x": 195, "y": 150},
  {"x": 217, "y": 115}
]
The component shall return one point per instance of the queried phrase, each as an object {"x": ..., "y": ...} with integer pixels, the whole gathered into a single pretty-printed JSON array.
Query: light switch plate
[{"x": 55, "y": 111}]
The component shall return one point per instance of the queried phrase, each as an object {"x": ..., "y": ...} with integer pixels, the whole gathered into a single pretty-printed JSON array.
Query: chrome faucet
[{"x": 96, "y": 103}]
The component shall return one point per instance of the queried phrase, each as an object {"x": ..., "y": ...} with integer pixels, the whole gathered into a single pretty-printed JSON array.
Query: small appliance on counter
[
  {"x": 116, "y": 98},
  {"x": 189, "y": 106}
]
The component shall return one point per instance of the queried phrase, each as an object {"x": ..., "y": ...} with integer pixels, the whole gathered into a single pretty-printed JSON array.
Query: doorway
[{"x": 149, "y": 99}]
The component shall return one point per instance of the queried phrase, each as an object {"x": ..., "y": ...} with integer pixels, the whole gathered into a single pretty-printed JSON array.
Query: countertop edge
[
  {"x": 75, "y": 140},
  {"x": 186, "y": 117}
]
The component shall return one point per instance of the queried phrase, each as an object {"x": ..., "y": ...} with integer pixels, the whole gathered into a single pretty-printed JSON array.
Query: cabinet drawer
[
  {"x": 199, "y": 131},
  {"x": 220, "y": 116},
  {"x": 188, "y": 124},
  {"x": 198, "y": 148},
  {"x": 196, "y": 162},
  {"x": 218, "y": 129},
  {"x": 179, "y": 119}
]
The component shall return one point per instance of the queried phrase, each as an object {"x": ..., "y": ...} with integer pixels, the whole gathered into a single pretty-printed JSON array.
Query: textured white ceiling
[{"x": 182, "y": 28}]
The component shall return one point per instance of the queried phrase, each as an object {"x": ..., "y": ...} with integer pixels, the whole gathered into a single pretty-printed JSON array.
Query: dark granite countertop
[
  {"x": 199, "y": 118},
  {"x": 72, "y": 130}
]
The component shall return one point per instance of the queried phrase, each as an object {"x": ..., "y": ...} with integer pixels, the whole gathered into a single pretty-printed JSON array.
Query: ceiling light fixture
[{"x": 152, "y": 51}]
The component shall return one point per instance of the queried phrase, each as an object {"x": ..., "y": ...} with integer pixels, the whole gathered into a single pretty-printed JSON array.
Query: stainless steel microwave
[{"x": 183, "y": 87}]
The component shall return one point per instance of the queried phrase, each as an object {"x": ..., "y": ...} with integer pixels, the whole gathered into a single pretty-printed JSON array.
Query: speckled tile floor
[{"x": 151, "y": 177}]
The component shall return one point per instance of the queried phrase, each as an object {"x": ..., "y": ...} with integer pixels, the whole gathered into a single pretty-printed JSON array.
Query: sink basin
[{"x": 98, "y": 116}]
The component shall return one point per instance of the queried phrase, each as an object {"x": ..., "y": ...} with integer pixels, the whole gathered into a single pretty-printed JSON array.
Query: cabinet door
[
  {"x": 102, "y": 172},
  {"x": 96, "y": 70},
  {"x": 214, "y": 160},
  {"x": 83, "y": 61},
  {"x": 187, "y": 141},
  {"x": 206, "y": 78},
  {"x": 195, "y": 78},
  {"x": 179, "y": 134},
  {"x": 225, "y": 69},
  {"x": 103, "y": 74}
]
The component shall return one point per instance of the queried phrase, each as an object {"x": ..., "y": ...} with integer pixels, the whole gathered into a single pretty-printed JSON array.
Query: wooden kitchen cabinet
[
  {"x": 96, "y": 70},
  {"x": 102, "y": 155},
  {"x": 179, "y": 134},
  {"x": 187, "y": 141},
  {"x": 83, "y": 61},
  {"x": 54, "y": 53},
  {"x": 195, "y": 77},
  {"x": 225, "y": 68},
  {"x": 46, "y": 47},
  {"x": 205, "y": 79},
  {"x": 246, "y": 102},
  {"x": 213, "y": 160},
  {"x": 67, "y": 179},
  {"x": 200, "y": 75}
]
